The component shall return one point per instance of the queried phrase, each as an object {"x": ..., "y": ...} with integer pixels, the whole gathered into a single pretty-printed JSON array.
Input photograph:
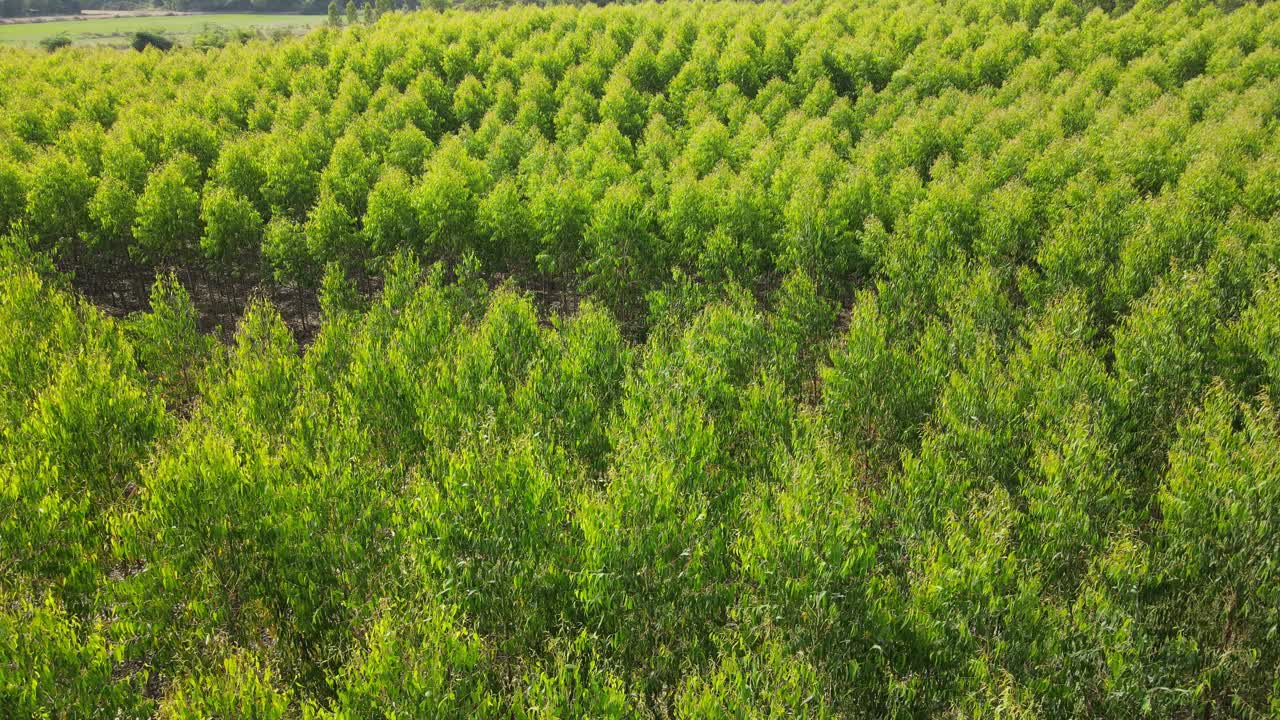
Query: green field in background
[{"x": 120, "y": 30}]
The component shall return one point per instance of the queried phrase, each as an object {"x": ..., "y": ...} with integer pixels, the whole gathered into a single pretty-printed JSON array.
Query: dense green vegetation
[{"x": 854, "y": 359}]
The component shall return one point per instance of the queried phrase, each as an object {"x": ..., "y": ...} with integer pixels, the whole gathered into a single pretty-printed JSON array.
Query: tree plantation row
[
  {"x": 449, "y": 507},
  {"x": 598, "y": 150},
  {"x": 874, "y": 359}
]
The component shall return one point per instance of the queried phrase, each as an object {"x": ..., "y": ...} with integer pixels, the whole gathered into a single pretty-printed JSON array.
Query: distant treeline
[{"x": 20, "y": 8}]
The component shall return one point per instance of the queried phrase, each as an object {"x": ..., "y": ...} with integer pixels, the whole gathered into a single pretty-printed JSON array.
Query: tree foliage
[{"x": 854, "y": 359}]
